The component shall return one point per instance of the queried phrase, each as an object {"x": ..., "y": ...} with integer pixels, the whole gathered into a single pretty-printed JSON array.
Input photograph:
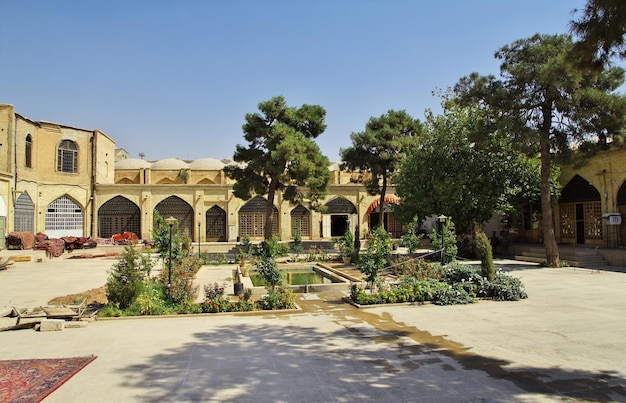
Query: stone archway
[
  {"x": 252, "y": 219},
  {"x": 216, "y": 224},
  {"x": 340, "y": 216},
  {"x": 580, "y": 213},
  {"x": 117, "y": 216},
  {"x": 64, "y": 217},
  {"x": 176, "y": 207}
]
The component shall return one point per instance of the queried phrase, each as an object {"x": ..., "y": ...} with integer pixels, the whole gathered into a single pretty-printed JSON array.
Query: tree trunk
[
  {"x": 269, "y": 212},
  {"x": 547, "y": 218},
  {"x": 382, "y": 202}
]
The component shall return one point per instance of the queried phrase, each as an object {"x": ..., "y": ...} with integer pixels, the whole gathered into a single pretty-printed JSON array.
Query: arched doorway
[
  {"x": 117, "y": 216},
  {"x": 64, "y": 217},
  {"x": 301, "y": 221},
  {"x": 215, "y": 224},
  {"x": 176, "y": 207},
  {"x": 389, "y": 220},
  {"x": 252, "y": 219},
  {"x": 340, "y": 216},
  {"x": 24, "y": 215},
  {"x": 580, "y": 213}
]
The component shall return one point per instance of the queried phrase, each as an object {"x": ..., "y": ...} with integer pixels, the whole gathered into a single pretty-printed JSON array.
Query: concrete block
[{"x": 52, "y": 325}]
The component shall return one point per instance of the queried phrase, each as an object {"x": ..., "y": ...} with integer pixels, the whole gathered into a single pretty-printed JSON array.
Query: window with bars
[
  {"x": 28, "y": 151},
  {"x": 301, "y": 221},
  {"x": 64, "y": 214},
  {"x": 593, "y": 220},
  {"x": 567, "y": 221},
  {"x": 24, "y": 214},
  {"x": 67, "y": 157}
]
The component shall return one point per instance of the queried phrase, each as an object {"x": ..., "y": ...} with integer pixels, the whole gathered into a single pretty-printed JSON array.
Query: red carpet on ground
[{"x": 34, "y": 379}]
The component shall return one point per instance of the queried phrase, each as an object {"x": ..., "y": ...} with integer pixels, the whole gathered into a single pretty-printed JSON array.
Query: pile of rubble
[{"x": 46, "y": 318}]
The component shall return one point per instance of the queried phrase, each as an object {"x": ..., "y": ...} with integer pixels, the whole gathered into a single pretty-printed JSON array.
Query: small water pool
[{"x": 300, "y": 275}]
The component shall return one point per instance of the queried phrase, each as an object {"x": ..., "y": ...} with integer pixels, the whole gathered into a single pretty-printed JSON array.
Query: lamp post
[
  {"x": 442, "y": 220},
  {"x": 170, "y": 220},
  {"x": 198, "y": 239}
]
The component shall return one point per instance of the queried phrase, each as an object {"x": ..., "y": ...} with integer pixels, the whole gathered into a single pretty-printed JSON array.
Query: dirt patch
[{"x": 95, "y": 296}]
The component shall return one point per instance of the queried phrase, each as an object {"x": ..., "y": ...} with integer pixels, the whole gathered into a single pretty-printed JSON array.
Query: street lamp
[
  {"x": 170, "y": 220},
  {"x": 442, "y": 221}
]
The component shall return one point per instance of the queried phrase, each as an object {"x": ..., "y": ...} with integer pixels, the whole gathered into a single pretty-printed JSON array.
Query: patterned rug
[{"x": 32, "y": 380}]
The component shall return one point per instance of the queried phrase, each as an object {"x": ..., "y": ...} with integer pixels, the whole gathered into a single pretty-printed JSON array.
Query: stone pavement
[{"x": 565, "y": 343}]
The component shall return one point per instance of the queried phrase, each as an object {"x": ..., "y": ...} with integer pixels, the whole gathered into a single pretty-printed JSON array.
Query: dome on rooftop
[
  {"x": 207, "y": 164},
  {"x": 132, "y": 163},
  {"x": 170, "y": 163}
]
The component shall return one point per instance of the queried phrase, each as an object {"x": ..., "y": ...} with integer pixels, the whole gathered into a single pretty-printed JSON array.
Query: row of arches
[{"x": 65, "y": 217}]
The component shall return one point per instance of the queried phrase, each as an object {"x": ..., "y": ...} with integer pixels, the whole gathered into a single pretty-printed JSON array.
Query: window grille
[
  {"x": 176, "y": 207},
  {"x": 64, "y": 215},
  {"x": 301, "y": 221},
  {"x": 67, "y": 157},
  {"x": 24, "y": 214},
  {"x": 117, "y": 216},
  {"x": 216, "y": 224},
  {"x": 252, "y": 219}
]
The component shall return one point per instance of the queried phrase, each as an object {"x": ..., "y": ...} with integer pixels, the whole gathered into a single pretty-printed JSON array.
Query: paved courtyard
[{"x": 566, "y": 342}]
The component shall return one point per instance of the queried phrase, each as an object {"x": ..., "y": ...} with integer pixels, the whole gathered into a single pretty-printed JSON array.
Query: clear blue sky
[{"x": 176, "y": 78}]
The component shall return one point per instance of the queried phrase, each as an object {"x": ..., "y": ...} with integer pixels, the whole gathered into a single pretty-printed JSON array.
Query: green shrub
[
  {"x": 126, "y": 277},
  {"x": 412, "y": 239},
  {"x": 505, "y": 288},
  {"x": 280, "y": 298},
  {"x": 183, "y": 273},
  {"x": 269, "y": 273},
  {"x": 452, "y": 294},
  {"x": 485, "y": 254}
]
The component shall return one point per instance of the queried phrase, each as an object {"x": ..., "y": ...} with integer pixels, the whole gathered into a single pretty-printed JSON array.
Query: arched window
[
  {"x": 28, "y": 151},
  {"x": 67, "y": 157}
]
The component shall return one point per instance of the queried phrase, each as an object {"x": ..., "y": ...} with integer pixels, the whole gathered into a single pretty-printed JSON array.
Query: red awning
[{"x": 376, "y": 203}]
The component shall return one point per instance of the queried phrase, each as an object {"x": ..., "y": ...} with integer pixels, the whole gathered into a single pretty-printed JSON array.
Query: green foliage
[
  {"x": 151, "y": 301},
  {"x": 412, "y": 240},
  {"x": 449, "y": 240},
  {"x": 181, "y": 243},
  {"x": 375, "y": 257},
  {"x": 268, "y": 272},
  {"x": 281, "y": 155},
  {"x": 279, "y": 298},
  {"x": 380, "y": 149},
  {"x": 183, "y": 273},
  {"x": 207, "y": 258},
  {"x": 457, "y": 283},
  {"x": 550, "y": 106},
  {"x": 465, "y": 168},
  {"x": 601, "y": 29},
  {"x": 345, "y": 245},
  {"x": 485, "y": 254},
  {"x": 296, "y": 243},
  {"x": 126, "y": 277},
  {"x": 272, "y": 247}
]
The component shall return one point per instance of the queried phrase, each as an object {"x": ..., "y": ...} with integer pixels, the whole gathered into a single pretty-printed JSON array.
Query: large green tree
[
  {"x": 463, "y": 170},
  {"x": 550, "y": 106},
  {"x": 281, "y": 156},
  {"x": 601, "y": 28},
  {"x": 379, "y": 150}
]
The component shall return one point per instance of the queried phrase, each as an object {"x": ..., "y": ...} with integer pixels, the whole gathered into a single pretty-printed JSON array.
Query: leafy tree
[
  {"x": 601, "y": 29},
  {"x": 462, "y": 168},
  {"x": 281, "y": 156},
  {"x": 181, "y": 243},
  {"x": 375, "y": 257},
  {"x": 268, "y": 272},
  {"x": 380, "y": 149},
  {"x": 549, "y": 106}
]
